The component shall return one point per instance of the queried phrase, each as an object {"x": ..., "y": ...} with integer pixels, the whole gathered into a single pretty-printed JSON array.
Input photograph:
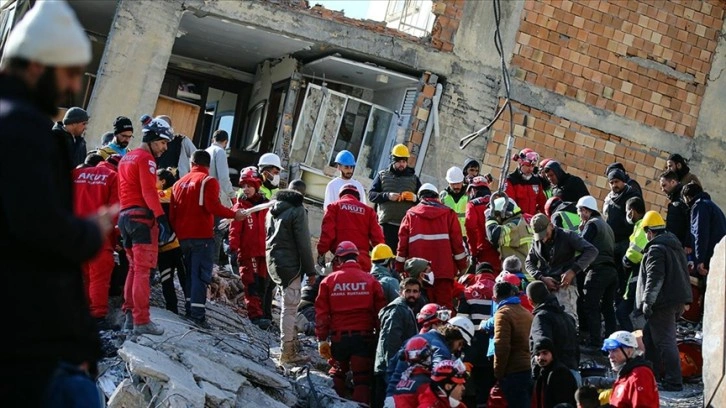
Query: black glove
[
  {"x": 321, "y": 261},
  {"x": 628, "y": 264},
  {"x": 166, "y": 235}
]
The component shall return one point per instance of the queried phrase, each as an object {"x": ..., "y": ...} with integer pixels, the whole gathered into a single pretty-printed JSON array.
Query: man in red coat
[
  {"x": 346, "y": 312},
  {"x": 524, "y": 186},
  {"x": 480, "y": 249},
  {"x": 348, "y": 219},
  {"x": 194, "y": 203},
  {"x": 431, "y": 230},
  {"x": 93, "y": 188}
]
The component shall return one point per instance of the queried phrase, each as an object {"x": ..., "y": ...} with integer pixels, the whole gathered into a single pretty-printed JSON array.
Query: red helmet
[
  {"x": 522, "y": 154},
  {"x": 350, "y": 188},
  {"x": 417, "y": 351},
  {"x": 432, "y": 313},
  {"x": 478, "y": 182},
  {"x": 449, "y": 371},
  {"x": 250, "y": 175},
  {"x": 551, "y": 205},
  {"x": 346, "y": 248},
  {"x": 510, "y": 278},
  {"x": 544, "y": 162},
  {"x": 530, "y": 158}
]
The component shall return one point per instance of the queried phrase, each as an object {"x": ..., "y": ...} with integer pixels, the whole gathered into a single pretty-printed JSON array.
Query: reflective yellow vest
[{"x": 458, "y": 207}]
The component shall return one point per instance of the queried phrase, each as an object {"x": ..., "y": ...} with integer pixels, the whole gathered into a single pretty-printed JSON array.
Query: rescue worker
[
  {"x": 628, "y": 180},
  {"x": 708, "y": 225},
  {"x": 269, "y": 167},
  {"x": 568, "y": 187},
  {"x": 553, "y": 259},
  {"x": 476, "y": 302},
  {"x": 247, "y": 243},
  {"x": 348, "y": 219},
  {"x": 446, "y": 389},
  {"x": 679, "y": 164},
  {"x": 524, "y": 186},
  {"x": 600, "y": 280},
  {"x": 72, "y": 128},
  {"x": 635, "y": 384},
  {"x": 179, "y": 152},
  {"x": 614, "y": 213},
  {"x": 384, "y": 271},
  {"x": 554, "y": 382},
  {"x": 289, "y": 256},
  {"x": 417, "y": 353},
  {"x": 171, "y": 259},
  {"x": 562, "y": 214},
  {"x": 540, "y": 170},
  {"x": 431, "y": 317},
  {"x": 678, "y": 215},
  {"x": 480, "y": 249},
  {"x": 454, "y": 196},
  {"x": 345, "y": 163},
  {"x": 631, "y": 261},
  {"x": 398, "y": 324},
  {"x": 508, "y": 228},
  {"x": 394, "y": 192},
  {"x": 662, "y": 293},
  {"x": 94, "y": 188},
  {"x": 346, "y": 318},
  {"x": 432, "y": 231},
  {"x": 123, "y": 132}
]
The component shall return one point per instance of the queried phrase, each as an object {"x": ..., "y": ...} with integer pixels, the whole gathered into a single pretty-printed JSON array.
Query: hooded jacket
[
  {"x": 663, "y": 279},
  {"x": 551, "y": 321},
  {"x": 565, "y": 216},
  {"x": 247, "y": 237},
  {"x": 431, "y": 231},
  {"x": 560, "y": 254},
  {"x": 512, "y": 324},
  {"x": 287, "y": 245},
  {"x": 388, "y": 281},
  {"x": 678, "y": 217},
  {"x": 708, "y": 226},
  {"x": 528, "y": 194},
  {"x": 569, "y": 188},
  {"x": 554, "y": 385},
  {"x": 635, "y": 386},
  {"x": 615, "y": 214},
  {"x": 476, "y": 233},
  {"x": 398, "y": 324},
  {"x": 76, "y": 145}
]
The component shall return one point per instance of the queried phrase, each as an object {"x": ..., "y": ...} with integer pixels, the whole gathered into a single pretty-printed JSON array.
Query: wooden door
[{"x": 184, "y": 115}]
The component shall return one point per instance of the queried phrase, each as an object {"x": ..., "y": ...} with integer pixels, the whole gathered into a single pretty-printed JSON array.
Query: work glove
[
  {"x": 408, "y": 196},
  {"x": 647, "y": 310},
  {"x": 166, "y": 235},
  {"x": 628, "y": 264},
  {"x": 324, "y": 350}
]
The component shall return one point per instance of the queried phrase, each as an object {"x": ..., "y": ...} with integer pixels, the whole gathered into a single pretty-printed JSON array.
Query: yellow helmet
[
  {"x": 400, "y": 150},
  {"x": 653, "y": 220},
  {"x": 380, "y": 252}
]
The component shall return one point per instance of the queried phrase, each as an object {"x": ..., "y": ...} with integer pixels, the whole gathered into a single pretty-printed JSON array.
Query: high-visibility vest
[{"x": 458, "y": 207}]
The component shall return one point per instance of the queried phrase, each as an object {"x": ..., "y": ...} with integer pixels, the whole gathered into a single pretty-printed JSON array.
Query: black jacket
[
  {"x": 554, "y": 384},
  {"x": 42, "y": 242},
  {"x": 569, "y": 188},
  {"x": 708, "y": 226},
  {"x": 76, "y": 145},
  {"x": 557, "y": 256},
  {"x": 678, "y": 218},
  {"x": 663, "y": 279},
  {"x": 551, "y": 321},
  {"x": 288, "y": 249},
  {"x": 614, "y": 213}
]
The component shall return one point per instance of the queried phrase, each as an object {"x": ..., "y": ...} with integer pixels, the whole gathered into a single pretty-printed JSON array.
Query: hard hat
[
  {"x": 400, "y": 150},
  {"x": 454, "y": 175},
  {"x": 521, "y": 154},
  {"x": 544, "y": 162},
  {"x": 653, "y": 220},
  {"x": 380, "y": 252},
  {"x": 269, "y": 159},
  {"x": 509, "y": 278},
  {"x": 345, "y": 158},
  {"x": 346, "y": 248},
  {"x": 619, "y": 339},
  {"x": 432, "y": 313},
  {"x": 157, "y": 129},
  {"x": 349, "y": 187},
  {"x": 587, "y": 202},
  {"x": 250, "y": 175},
  {"x": 428, "y": 187},
  {"x": 551, "y": 205},
  {"x": 417, "y": 351},
  {"x": 507, "y": 206},
  {"x": 478, "y": 182},
  {"x": 466, "y": 327},
  {"x": 449, "y": 371},
  {"x": 530, "y": 158}
]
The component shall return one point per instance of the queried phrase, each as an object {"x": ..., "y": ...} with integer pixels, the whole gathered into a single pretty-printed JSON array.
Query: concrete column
[{"x": 133, "y": 64}]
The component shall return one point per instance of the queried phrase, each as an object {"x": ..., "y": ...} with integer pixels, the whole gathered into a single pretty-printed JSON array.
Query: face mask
[
  {"x": 527, "y": 176},
  {"x": 428, "y": 278},
  {"x": 453, "y": 402},
  {"x": 275, "y": 180},
  {"x": 629, "y": 219}
]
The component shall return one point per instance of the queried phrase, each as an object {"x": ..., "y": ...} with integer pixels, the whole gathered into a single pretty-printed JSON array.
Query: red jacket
[
  {"x": 348, "y": 299},
  {"x": 194, "y": 203},
  {"x": 429, "y": 399},
  {"x": 414, "y": 381},
  {"x": 247, "y": 237},
  {"x": 476, "y": 233},
  {"x": 528, "y": 194},
  {"x": 348, "y": 219},
  {"x": 93, "y": 187},
  {"x": 137, "y": 181},
  {"x": 431, "y": 230},
  {"x": 636, "y": 387}
]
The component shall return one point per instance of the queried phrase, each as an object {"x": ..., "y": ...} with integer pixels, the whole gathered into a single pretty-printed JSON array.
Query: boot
[
  {"x": 149, "y": 328},
  {"x": 103, "y": 324},
  {"x": 262, "y": 323},
  {"x": 290, "y": 356},
  {"x": 128, "y": 322}
]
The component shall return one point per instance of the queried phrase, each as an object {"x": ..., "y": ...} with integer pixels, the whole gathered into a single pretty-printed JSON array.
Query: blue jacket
[
  {"x": 440, "y": 352},
  {"x": 489, "y": 324},
  {"x": 387, "y": 280},
  {"x": 708, "y": 226}
]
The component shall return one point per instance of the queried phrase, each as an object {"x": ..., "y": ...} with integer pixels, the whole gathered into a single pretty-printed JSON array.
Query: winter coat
[
  {"x": 387, "y": 280},
  {"x": 663, "y": 279},
  {"x": 93, "y": 187},
  {"x": 76, "y": 145},
  {"x": 393, "y": 181},
  {"x": 430, "y": 399},
  {"x": 601, "y": 236},
  {"x": 397, "y": 366},
  {"x": 476, "y": 233},
  {"x": 569, "y": 188},
  {"x": 512, "y": 237},
  {"x": 137, "y": 182},
  {"x": 431, "y": 231},
  {"x": 398, "y": 324},
  {"x": 614, "y": 213},
  {"x": 708, "y": 226},
  {"x": 565, "y": 216},
  {"x": 635, "y": 386},
  {"x": 43, "y": 244},
  {"x": 528, "y": 194},
  {"x": 288, "y": 239},
  {"x": 247, "y": 237},
  {"x": 412, "y": 384},
  {"x": 348, "y": 219},
  {"x": 560, "y": 254},
  {"x": 219, "y": 169},
  {"x": 476, "y": 302},
  {"x": 349, "y": 299},
  {"x": 554, "y": 385},
  {"x": 512, "y": 324},
  {"x": 551, "y": 321},
  {"x": 678, "y": 217}
]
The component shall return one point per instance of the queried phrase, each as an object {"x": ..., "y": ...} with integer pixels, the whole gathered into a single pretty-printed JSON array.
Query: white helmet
[
  {"x": 269, "y": 159},
  {"x": 454, "y": 175},
  {"x": 587, "y": 202},
  {"x": 618, "y": 339},
  {"x": 428, "y": 187},
  {"x": 466, "y": 327}
]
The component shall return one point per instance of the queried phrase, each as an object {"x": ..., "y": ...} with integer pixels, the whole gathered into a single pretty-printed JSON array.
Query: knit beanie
[
  {"x": 538, "y": 292},
  {"x": 415, "y": 266},
  {"x": 75, "y": 115},
  {"x": 544, "y": 343},
  {"x": 122, "y": 124},
  {"x": 616, "y": 174}
]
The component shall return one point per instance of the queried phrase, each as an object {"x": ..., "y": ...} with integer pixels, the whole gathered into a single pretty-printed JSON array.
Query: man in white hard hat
[
  {"x": 454, "y": 196},
  {"x": 270, "y": 167},
  {"x": 49, "y": 343}
]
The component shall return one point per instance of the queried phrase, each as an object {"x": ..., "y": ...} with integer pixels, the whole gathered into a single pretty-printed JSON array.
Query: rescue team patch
[
  {"x": 349, "y": 289},
  {"x": 352, "y": 208},
  {"x": 152, "y": 167}
]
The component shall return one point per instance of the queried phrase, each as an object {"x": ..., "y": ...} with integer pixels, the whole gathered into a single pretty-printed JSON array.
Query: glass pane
[
  {"x": 352, "y": 128},
  {"x": 374, "y": 144},
  {"x": 219, "y": 112},
  {"x": 325, "y": 132},
  {"x": 306, "y": 124},
  {"x": 253, "y": 133}
]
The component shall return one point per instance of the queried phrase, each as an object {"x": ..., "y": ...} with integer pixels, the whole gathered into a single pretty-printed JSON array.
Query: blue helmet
[{"x": 345, "y": 158}]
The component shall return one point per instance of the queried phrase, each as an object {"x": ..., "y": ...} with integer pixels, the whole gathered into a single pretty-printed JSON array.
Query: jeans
[
  {"x": 198, "y": 263},
  {"x": 659, "y": 336},
  {"x": 517, "y": 389}
]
